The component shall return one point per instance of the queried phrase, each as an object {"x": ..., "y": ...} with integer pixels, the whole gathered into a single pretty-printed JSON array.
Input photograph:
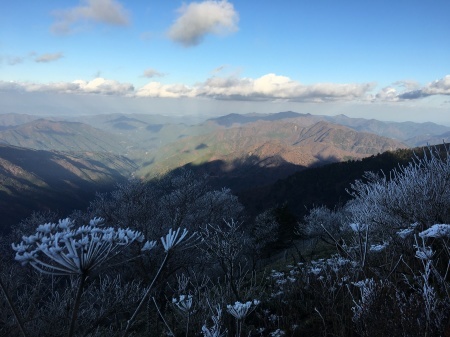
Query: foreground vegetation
[{"x": 175, "y": 257}]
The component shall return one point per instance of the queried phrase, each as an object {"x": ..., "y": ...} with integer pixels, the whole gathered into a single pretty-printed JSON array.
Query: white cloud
[
  {"x": 201, "y": 18},
  {"x": 150, "y": 72},
  {"x": 407, "y": 84},
  {"x": 49, "y": 57},
  {"x": 274, "y": 87},
  {"x": 156, "y": 89},
  {"x": 96, "y": 86},
  {"x": 105, "y": 11},
  {"x": 438, "y": 87},
  {"x": 387, "y": 94},
  {"x": 106, "y": 87}
]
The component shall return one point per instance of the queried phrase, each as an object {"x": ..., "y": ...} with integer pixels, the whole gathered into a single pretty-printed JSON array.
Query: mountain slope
[
  {"x": 9, "y": 120},
  {"x": 404, "y": 131},
  {"x": 147, "y": 131},
  {"x": 44, "y": 134},
  {"x": 325, "y": 185},
  {"x": 40, "y": 180},
  {"x": 267, "y": 144}
]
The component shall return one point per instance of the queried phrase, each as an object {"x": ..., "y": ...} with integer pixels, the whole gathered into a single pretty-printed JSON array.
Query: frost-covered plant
[
  {"x": 416, "y": 193},
  {"x": 170, "y": 241},
  {"x": 183, "y": 302},
  {"x": 436, "y": 231},
  {"x": 64, "y": 249},
  {"x": 320, "y": 218},
  {"x": 216, "y": 329},
  {"x": 226, "y": 245},
  {"x": 277, "y": 333},
  {"x": 240, "y": 311}
]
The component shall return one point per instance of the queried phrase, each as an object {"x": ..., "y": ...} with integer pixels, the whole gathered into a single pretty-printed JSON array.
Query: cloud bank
[
  {"x": 267, "y": 88},
  {"x": 198, "y": 19},
  {"x": 411, "y": 90},
  {"x": 438, "y": 87},
  {"x": 270, "y": 87},
  {"x": 105, "y": 11},
  {"x": 96, "y": 86}
]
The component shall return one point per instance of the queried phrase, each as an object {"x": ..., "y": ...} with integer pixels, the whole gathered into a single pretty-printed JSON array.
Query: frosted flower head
[
  {"x": 240, "y": 310},
  {"x": 63, "y": 249},
  {"x": 436, "y": 231},
  {"x": 357, "y": 227},
  {"x": 378, "y": 248},
  {"x": 149, "y": 245},
  {"x": 173, "y": 238},
  {"x": 404, "y": 233},
  {"x": 424, "y": 253},
  {"x": 277, "y": 333},
  {"x": 184, "y": 302}
]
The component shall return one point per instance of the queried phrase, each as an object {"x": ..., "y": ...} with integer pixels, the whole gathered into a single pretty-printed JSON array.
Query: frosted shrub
[
  {"x": 416, "y": 193},
  {"x": 321, "y": 220}
]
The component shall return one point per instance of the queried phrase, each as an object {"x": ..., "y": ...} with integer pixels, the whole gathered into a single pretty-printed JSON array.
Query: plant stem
[
  {"x": 141, "y": 303},
  {"x": 162, "y": 317},
  {"x": 13, "y": 309},
  {"x": 76, "y": 305}
]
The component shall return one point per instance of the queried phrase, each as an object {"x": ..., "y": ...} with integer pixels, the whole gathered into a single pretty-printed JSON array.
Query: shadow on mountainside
[
  {"x": 33, "y": 180},
  {"x": 326, "y": 185}
]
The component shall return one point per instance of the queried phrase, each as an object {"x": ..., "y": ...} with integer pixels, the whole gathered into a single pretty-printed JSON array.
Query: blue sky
[{"x": 387, "y": 60}]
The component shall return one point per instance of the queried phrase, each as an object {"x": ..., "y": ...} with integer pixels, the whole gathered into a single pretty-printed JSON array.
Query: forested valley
[{"x": 366, "y": 253}]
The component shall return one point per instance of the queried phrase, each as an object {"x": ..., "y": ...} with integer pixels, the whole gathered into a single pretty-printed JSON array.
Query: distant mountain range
[
  {"x": 267, "y": 144},
  {"x": 412, "y": 134},
  {"x": 55, "y": 162},
  {"x": 43, "y": 134}
]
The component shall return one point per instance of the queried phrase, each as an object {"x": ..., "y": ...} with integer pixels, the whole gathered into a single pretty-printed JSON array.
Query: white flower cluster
[
  {"x": 357, "y": 227},
  {"x": 406, "y": 232},
  {"x": 333, "y": 271},
  {"x": 277, "y": 333},
  {"x": 378, "y": 248},
  {"x": 240, "y": 310},
  {"x": 436, "y": 231},
  {"x": 64, "y": 249},
  {"x": 184, "y": 302},
  {"x": 173, "y": 238},
  {"x": 368, "y": 289}
]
